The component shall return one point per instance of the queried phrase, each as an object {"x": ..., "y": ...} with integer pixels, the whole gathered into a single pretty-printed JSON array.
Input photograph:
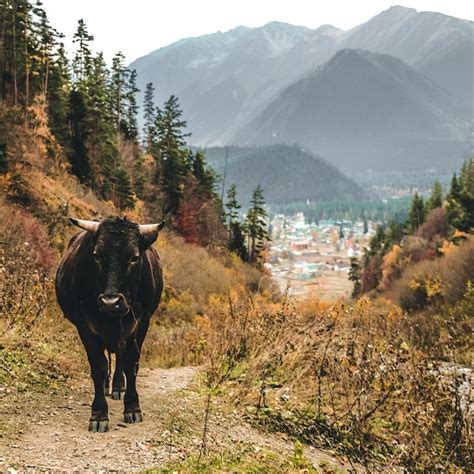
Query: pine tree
[
  {"x": 173, "y": 163},
  {"x": 82, "y": 62},
  {"x": 205, "y": 176},
  {"x": 232, "y": 205},
  {"x": 236, "y": 237},
  {"x": 131, "y": 113},
  {"x": 256, "y": 226},
  {"x": 149, "y": 117},
  {"x": 460, "y": 199},
  {"x": 417, "y": 213},
  {"x": 58, "y": 96},
  {"x": 393, "y": 234},
  {"x": 118, "y": 92},
  {"x": 455, "y": 211},
  {"x": 124, "y": 195},
  {"x": 78, "y": 156},
  {"x": 101, "y": 140},
  {"x": 436, "y": 198}
]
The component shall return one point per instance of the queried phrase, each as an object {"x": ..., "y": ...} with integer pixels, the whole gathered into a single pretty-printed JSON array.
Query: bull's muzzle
[{"x": 112, "y": 303}]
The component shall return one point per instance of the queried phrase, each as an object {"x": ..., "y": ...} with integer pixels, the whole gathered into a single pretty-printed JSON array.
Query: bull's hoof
[
  {"x": 133, "y": 417},
  {"x": 118, "y": 395},
  {"x": 99, "y": 426}
]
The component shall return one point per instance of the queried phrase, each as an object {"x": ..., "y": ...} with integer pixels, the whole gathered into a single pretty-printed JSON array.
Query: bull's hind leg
[
  {"x": 99, "y": 420},
  {"x": 118, "y": 382},
  {"x": 132, "y": 412}
]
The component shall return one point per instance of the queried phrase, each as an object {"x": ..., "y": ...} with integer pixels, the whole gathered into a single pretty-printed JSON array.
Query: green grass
[{"x": 247, "y": 459}]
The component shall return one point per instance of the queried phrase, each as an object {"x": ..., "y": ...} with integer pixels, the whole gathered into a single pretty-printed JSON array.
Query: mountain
[
  {"x": 225, "y": 79},
  {"x": 287, "y": 174},
  {"x": 364, "y": 110},
  {"x": 437, "y": 45}
]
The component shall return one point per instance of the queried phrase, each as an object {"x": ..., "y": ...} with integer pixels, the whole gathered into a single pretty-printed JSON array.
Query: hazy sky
[{"x": 137, "y": 27}]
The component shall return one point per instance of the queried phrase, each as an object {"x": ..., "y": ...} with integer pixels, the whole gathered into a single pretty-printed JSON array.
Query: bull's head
[{"x": 118, "y": 248}]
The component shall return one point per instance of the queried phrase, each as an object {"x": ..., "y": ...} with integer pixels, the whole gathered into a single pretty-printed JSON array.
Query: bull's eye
[
  {"x": 134, "y": 259},
  {"x": 96, "y": 257}
]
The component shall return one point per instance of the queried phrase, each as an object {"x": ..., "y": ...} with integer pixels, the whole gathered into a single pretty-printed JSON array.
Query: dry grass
[{"x": 341, "y": 377}]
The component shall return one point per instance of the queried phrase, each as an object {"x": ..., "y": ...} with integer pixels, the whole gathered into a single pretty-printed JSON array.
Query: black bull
[{"x": 108, "y": 285}]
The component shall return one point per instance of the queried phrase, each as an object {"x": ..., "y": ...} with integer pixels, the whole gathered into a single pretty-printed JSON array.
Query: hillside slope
[
  {"x": 365, "y": 110},
  {"x": 287, "y": 174}
]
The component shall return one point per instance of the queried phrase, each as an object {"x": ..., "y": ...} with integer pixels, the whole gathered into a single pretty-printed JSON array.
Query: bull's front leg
[
  {"x": 99, "y": 420},
  {"x": 132, "y": 412},
  {"x": 118, "y": 382}
]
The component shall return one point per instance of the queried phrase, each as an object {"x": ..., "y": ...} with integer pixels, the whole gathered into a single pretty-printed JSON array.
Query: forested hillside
[{"x": 287, "y": 173}]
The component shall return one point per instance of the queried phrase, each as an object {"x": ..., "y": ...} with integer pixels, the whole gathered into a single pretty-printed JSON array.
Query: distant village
[{"x": 309, "y": 258}]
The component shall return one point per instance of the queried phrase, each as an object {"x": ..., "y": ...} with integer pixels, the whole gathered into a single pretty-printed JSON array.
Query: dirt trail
[{"x": 57, "y": 439}]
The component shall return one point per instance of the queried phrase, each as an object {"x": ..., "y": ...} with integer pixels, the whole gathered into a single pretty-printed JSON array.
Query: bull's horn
[
  {"x": 150, "y": 228},
  {"x": 90, "y": 226}
]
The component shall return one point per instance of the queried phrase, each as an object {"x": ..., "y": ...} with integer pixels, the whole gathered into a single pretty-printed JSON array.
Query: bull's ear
[
  {"x": 149, "y": 232},
  {"x": 90, "y": 226}
]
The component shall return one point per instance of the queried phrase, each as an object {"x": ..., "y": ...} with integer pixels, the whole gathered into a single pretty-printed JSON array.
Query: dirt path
[{"x": 56, "y": 436}]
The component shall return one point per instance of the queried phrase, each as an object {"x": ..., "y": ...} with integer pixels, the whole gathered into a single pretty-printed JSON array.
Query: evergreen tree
[
  {"x": 455, "y": 211},
  {"x": 232, "y": 205},
  {"x": 118, "y": 92},
  {"x": 393, "y": 234},
  {"x": 204, "y": 175},
  {"x": 436, "y": 198},
  {"x": 132, "y": 106},
  {"x": 173, "y": 163},
  {"x": 417, "y": 213},
  {"x": 236, "y": 237},
  {"x": 149, "y": 116},
  {"x": 460, "y": 199},
  {"x": 58, "y": 97},
  {"x": 256, "y": 226},
  {"x": 82, "y": 62},
  {"x": 78, "y": 156}
]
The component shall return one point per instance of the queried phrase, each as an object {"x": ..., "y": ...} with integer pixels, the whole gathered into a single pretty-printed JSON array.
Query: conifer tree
[
  {"x": 232, "y": 205},
  {"x": 455, "y": 212},
  {"x": 256, "y": 226},
  {"x": 131, "y": 113},
  {"x": 58, "y": 96},
  {"x": 173, "y": 163},
  {"x": 149, "y": 117},
  {"x": 82, "y": 62},
  {"x": 204, "y": 175},
  {"x": 236, "y": 237},
  {"x": 78, "y": 156},
  {"x": 436, "y": 198},
  {"x": 417, "y": 213},
  {"x": 118, "y": 92}
]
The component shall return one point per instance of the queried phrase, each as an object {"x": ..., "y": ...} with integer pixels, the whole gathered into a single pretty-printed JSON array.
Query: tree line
[{"x": 92, "y": 111}]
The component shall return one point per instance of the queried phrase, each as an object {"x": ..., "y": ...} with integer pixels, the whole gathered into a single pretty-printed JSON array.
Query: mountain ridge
[
  {"x": 224, "y": 80},
  {"x": 358, "y": 107}
]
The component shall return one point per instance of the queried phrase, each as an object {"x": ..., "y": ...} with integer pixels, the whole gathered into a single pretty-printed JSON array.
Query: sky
[{"x": 137, "y": 27}]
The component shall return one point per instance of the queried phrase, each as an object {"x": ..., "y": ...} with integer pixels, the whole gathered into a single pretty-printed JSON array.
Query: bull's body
[{"x": 85, "y": 287}]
